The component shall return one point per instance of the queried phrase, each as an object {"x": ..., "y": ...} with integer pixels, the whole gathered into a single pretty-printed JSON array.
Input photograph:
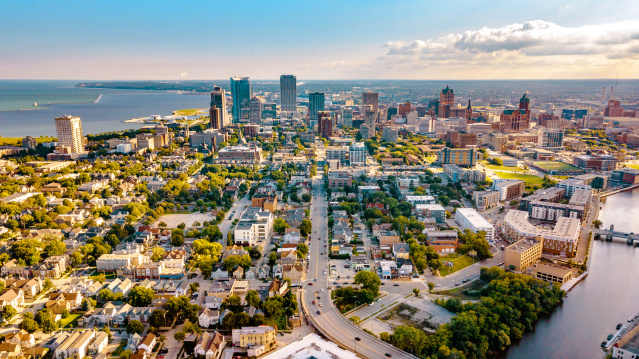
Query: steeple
[
  {"x": 524, "y": 102},
  {"x": 469, "y": 106}
]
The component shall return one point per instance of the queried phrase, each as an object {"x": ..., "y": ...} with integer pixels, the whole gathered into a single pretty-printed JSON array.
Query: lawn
[
  {"x": 502, "y": 168},
  {"x": 557, "y": 166},
  {"x": 189, "y": 112},
  {"x": 71, "y": 321},
  {"x": 636, "y": 167},
  {"x": 529, "y": 179},
  {"x": 459, "y": 262},
  {"x": 458, "y": 292},
  {"x": 17, "y": 141},
  {"x": 108, "y": 276}
]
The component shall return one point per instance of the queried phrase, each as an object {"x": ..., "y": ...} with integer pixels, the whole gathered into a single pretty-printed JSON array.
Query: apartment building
[
  {"x": 339, "y": 179},
  {"x": 435, "y": 211},
  {"x": 458, "y": 174},
  {"x": 465, "y": 157},
  {"x": 257, "y": 340},
  {"x": 469, "y": 218},
  {"x": 485, "y": 199},
  {"x": 111, "y": 262},
  {"x": 415, "y": 200},
  {"x": 254, "y": 225},
  {"x": 509, "y": 189},
  {"x": 523, "y": 253}
]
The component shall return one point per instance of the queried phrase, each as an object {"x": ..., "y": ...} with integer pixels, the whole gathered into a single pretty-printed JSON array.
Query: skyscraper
[
  {"x": 216, "y": 117},
  {"x": 69, "y": 132},
  {"x": 288, "y": 93},
  {"x": 325, "y": 124},
  {"x": 241, "y": 92},
  {"x": 370, "y": 98},
  {"x": 256, "y": 106},
  {"x": 446, "y": 101},
  {"x": 315, "y": 105},
  {"x": 218, "y": 100},
  {"x": 370, "y": 116}
]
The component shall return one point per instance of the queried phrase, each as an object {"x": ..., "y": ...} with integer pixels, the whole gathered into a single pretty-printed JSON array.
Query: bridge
[{"x": 610, "y": 234}]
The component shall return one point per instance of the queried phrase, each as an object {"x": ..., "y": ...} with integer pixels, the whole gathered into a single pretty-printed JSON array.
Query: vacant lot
[
  {"x": 417, "y": 312},
  {"x": 459, "y": 262},
  {"x": 557, "y": 166},
  {"x": 173, "y": 220},
  {"x": 529, "y": 179}
]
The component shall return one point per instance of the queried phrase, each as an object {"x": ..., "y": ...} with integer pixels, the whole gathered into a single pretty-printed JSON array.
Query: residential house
[
  {"x": 209, "y": 317},
  {"x": 295, "y": 273},
  {"x": 277, "y": 270},
  {"x": 277, "y": 287},
  {"x": 30, "y": 287},
  {"x": 99, "y": 343},
  {"x": 219, "y": 273},
  {"x": 251, "y": 274},
  {"x": 265, "y": 271},
  {"x": 210, "y": 345},
  {"x": 74, "y": 298},
  {"x": 141, "y": 314},
  {"x": 401, "y": 250},
  {"x": 147, "y": 343},
  {"x": 292, "y": 235},
  {"x": 238, "y": 273},
  {"x": 22, "y": 338},
  {"x": 13, "y": 297},
  {"x": 287, "y": 257}
]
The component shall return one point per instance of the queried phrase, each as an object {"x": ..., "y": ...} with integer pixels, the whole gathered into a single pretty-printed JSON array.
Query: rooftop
[{"x": 476, "y": 219}]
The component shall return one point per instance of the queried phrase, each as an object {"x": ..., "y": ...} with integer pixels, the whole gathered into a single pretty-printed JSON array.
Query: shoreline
[{"x": 52, "y": 105}]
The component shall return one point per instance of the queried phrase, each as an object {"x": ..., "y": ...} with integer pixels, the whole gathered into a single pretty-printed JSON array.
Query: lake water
[
  {"x": 56, "y": 98},
  {"x": 608, "y": 296}
]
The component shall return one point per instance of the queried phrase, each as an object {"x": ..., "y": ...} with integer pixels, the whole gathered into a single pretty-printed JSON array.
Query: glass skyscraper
[
  {"x": 315, "y": 105},
  {"x": 241, "y": 92},
  {"x": 288, "y": 93},
  {"x": 218, "y": 100}
]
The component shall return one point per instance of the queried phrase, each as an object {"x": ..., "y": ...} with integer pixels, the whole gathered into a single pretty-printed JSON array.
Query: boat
[{"x": 35, "y": 104}]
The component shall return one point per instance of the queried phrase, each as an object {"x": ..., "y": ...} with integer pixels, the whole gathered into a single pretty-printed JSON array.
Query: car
[
  {"x": 383, "y": 283},
  {"x": 318, "y": 312},
  {"x": 395, "y": 285},
  {"x": 313, "y": 302},
  {"x": 345, "y": 283},
  {"x": 438, "y": 285},
  {"x": 320, "y": 304},
  {"x": 310, "y": 283},
  {"x": 388, "y": 355},
  {"x": 333, "y": 266},
  {"x": 318, "y": 297}
]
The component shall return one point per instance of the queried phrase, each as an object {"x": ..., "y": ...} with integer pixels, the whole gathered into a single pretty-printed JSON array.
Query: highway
[{"x": 329, "y": 321}]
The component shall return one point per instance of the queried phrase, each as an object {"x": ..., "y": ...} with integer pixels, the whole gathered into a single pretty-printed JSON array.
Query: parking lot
[{"x": 173, "y": 220}]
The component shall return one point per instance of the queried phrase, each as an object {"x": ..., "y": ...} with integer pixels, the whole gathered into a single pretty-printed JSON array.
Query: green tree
[
  {"x": 140, "y": 296},
  {"x": 8, "y": 312},
  {"x": 45, "y": 321},
  {"x": 597, "y": 223},
  {"x": 158, "y": 254},
  {"x": 306, "y": 227},
  {"x": 280, "y": 225},
  {"x": 368, "y": 280},
  {"x": 107, "y": 330},
  {"x": 252, "y": 298},
  {"x": 416, "y": 292},
  {"x": 27, "y": 250},
  {"x": 29, "y": 325},
  {"x": 157, "y": 318},
  {"x": 54, "y": 248},
  {"x": 302, "y": 250},
  {"x": 135, "y": 326},
  {"x": 179, "y": 336},
  {"x": 177, "y": 240},
  {"x": 409, "y": 339},
  {"x": 431, "y": 286}
]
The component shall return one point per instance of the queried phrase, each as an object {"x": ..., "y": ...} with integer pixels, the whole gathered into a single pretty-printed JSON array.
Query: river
[{"x": 593, "y": 308}]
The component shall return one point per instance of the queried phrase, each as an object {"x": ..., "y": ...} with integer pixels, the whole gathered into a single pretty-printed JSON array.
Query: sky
[{"x": 421, "y": 40}]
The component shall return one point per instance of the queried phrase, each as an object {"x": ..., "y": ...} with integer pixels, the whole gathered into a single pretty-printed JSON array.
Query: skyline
[{"x": 328, "y": 40}]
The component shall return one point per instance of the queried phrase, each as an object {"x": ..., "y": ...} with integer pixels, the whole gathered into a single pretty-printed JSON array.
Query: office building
[
  {"x": 241, "y": 93},
  {"x": 446, "y": 101},
  {"x": 597, "y": 162},
  {"x": 624, "y": 176},
  {"x": 458, "y": 174},
  {"x": 255, "y": 337},
  {"x": 560, "y": 240},
  {"x": 415, "y": 200},
  {"x": 256, "y": 105},
  {"x": 466, "y": 157},
  {"x": 523, "y": 253},
  {"x": 215, "y": 116},
  {"x": 357, "y": 154},
  {"x": 69, "y": 132},
  {"x": 509, "y": 189},
  {"x": 366, "y": 131},
  {"x": 434, "y": 211},
  {"x": 339, "y": 179},
  {"x": 469, "y": 218},
  {"x": 255, "y": 224},
  {"x": 390, "y": 134},
  {"x": 325, "y": 124},
  {"x": 288, "y": 93},
  {"x": 240, "y": 154},
  {"x": 218, "y": 100},
  {"x": 347, "y": 117},
  {"x": 552, "y": 139},
  {"x": 316, "y": 103},
  {"x": 370, "y": 98},
  {"x": 485, "y": 199}
]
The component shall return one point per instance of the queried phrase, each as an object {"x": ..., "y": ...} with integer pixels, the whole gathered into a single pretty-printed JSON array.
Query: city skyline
[{"x": 134, "y": 41}]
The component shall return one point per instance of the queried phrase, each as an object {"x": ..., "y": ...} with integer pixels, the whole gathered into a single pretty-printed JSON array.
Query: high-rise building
[
  {"x": 325, "y": 124},
  {"x": 357, "y": 154},
  {"x": 288, "y": 93},
  {"x": 315, "y": 105},
  {"x": 256, "y": 105},
  {"x": 241, "y": 92},
  {"x": 446, "y": 101},
  {"x": 366, "y": 131},
  {"x": 552, "y": 139},
  {"x": 218, "y": 99},
  {"x": 370, "y": 116},
  {"x": 216, "y": 117},
  {"x": 370, "y": 98},
  {"x": 347, "y": 116},
  {"x": 69, "y": 132},
  {"x": 389, "y": 134}
]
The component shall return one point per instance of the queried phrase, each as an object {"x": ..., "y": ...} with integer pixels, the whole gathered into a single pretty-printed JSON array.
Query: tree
[
  {"x": 106, "y": 295},
  {"x": 107, "y": 330},
  {"x": 597, "y": 223},
  {"x": 157, "y": 318},
  {"x": 27, "y": 250},
  {"x": 306, "y": 227},
  {"x": 272, "y": 307},
  {"x": 54, "y": 248},
  {"x": 179, "y": 336},
  {"x": 280, "y": 225},
  {"x": 252, "y": 298},
  {"x": 162, "y": 225},
  {"x": 409, "y": 339},
  {"x": 306, "y": 197},
  {"x": 44, "y": 318},
  {"x": 431, "y": 286},
  {"x": 141, "y": 297},
  {"x": 65, "y": 314},
  {"x": 231, "y": 262},
  {"x": 29, "y": 325},
  {"x": 135, "y": 326},
  {"x": 416, "y": 292},
  {"x": 48, "y": 283},
  {"x": 233, "y": 303},
  {"x": 368, "y": 280},
  {"x": 302, "y": 250},
  {"x": 8, "y": 312},
  {"x": 101, "y": 278},
  {"x": 158, "y": 254},
  {"x": 177, "y": 240}
]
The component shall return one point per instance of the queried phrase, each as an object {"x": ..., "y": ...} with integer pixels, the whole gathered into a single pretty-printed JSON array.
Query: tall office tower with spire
[
  {"x": 241, "y": 92},
  {"x": 315, "y": 105},
  {"x": 69, "y": 132},
  {"x": 288, "y": 93},
  {"x": 370, "y": 98},
  {"x": 446, "y": 101}
]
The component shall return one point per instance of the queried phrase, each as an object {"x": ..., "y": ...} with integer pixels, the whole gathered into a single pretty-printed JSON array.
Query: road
[
  {"x": 235, "y": 212},
  {"x": 329, "y": 320}
]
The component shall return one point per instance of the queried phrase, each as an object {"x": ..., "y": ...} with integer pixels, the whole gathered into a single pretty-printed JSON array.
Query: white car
[{"x": 321, "y": 290}]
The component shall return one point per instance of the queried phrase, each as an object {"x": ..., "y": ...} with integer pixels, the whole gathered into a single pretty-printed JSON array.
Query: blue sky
[{"x": 318, "y": 39}]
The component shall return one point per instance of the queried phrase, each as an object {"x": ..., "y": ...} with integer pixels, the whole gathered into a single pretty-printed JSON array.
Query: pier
[{"x": 610, "y": 235}]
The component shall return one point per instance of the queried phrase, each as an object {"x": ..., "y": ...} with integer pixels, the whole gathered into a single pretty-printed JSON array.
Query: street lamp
[{"x": 356, "y": 340}]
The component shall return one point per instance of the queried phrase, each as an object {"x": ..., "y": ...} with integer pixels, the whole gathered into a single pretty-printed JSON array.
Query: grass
[
  {"x": 458, "y": 292},
  {"x": 17, "y": 141},
  {"x": 459, "y": 262},
  {"x": 557, "y": 166},
  {"x": 71, "y": 321},
  {"x": 529, "y": 179},
  {"x": 635, "y": 166},
  {"x": 116, "y": 353},
  {"x": 502, "y": 168},
  {"x": 108, "y": 276},
  {"x": 189, "y": 112}
]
